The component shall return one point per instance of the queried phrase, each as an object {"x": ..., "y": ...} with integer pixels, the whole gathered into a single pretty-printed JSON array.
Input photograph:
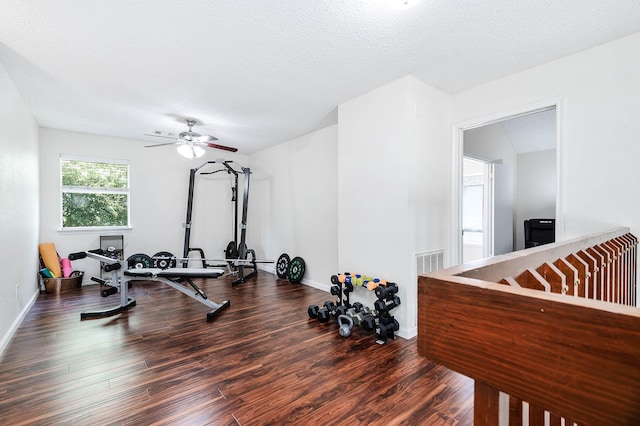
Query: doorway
[
  {"x": 507, "y": 165},
  {"x": 476, "y": 211}
]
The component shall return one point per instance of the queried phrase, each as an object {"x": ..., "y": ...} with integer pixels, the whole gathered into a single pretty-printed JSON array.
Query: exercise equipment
[
  {"x": 386, "y": 291},
  {"x": 164, "y": 260},
  {"x": 345, "y": 324},
  {"x": 114, "y": 267},
  {"x": 296, "y": 270},
  {"x": 173, "y": 277},
  {"x": 235, "y": 250},
  {"x": 138, "y": 261},
  {"x": 312, "y": 310},
  {"x": 369, "y": 322},
  {"x": 386, "y": 328},
  {"x": 386, "y": 305},
  {"x": 50, "y": 258},
  {"x": 66, "y": 267},
  {"x": 282, "y": 266}
]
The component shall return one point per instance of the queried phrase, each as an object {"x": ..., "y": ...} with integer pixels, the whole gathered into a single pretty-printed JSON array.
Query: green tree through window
[{"x": 94, "y": 193}]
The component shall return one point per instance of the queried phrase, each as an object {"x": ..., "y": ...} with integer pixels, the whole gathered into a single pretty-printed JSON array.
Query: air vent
[{"x": 429, "y": 261}]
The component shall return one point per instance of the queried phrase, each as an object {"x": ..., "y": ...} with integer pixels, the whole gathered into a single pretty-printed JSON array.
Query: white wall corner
[{"x": 6, "y": 339}]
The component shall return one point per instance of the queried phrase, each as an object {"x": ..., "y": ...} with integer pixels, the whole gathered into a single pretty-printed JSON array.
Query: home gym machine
[
  {"x": 236, "y": 254},
  {"x": 173, "y": 277}
]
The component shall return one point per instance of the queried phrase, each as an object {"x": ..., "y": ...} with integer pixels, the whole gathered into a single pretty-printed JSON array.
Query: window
[{"x": 94, "y": 193}]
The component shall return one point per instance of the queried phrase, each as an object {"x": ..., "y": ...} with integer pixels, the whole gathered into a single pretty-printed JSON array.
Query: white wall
[
  {"x": 159, "y": 179},
  {"x": 393, "y": 160},
  {"x": 293, "y": 204},
  {"x": 19, "y": 208},
  {"x": 599, "y": 125},
  {"x": 536, "y": 189}
]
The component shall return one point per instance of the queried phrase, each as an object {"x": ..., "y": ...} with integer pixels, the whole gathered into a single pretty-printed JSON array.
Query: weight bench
[
  {"x": 171, "y": 276},
  {"x": 175, "y": 276}
]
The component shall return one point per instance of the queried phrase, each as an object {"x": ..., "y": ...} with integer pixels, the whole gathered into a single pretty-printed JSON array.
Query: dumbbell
[
  {"x": 357, "y": 307},
  {"x": 369, "y": 322},
  {"x": 387, "y": 328},
  {"x": 324, "y": 313},
  {"x": 357, "y": 317},
  {"x": 386, "y": 306},
  {"x": 340, "y": 310},
  {"x": 313, "y": 311},
  {"x": 368, "y": 311},
  {"x": 386, "y": 291}
]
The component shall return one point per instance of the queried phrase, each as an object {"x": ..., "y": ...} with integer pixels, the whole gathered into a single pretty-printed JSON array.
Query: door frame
[{"x": 457, "y": 154}]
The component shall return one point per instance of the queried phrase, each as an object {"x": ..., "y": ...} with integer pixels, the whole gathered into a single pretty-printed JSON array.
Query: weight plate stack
[
  {"x": 139, "y": 261},
  {"x": 282, "y": 266},
  {"x": 160, "y": 260},
  {"x": 232, "y": 250},
  {"x": 296, "y": 270}
]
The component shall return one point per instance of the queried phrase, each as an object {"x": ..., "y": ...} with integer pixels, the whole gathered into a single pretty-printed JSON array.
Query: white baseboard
[
  {"x": 314, "y": 284},
  {"x": 7, "y": 337}
]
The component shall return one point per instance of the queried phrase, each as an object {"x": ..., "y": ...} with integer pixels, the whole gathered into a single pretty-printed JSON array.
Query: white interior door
[{"x": 502, "y": 204}]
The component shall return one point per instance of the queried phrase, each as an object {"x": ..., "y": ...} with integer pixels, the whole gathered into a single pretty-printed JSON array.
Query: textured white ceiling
[{"x": 256, "y": 73}]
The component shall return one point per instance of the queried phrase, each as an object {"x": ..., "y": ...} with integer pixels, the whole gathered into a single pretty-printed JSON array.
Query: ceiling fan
[{"x": 191, "y": 144}]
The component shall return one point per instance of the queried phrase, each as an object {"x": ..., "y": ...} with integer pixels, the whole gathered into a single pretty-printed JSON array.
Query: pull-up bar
[{"x": 241, "y": 249}]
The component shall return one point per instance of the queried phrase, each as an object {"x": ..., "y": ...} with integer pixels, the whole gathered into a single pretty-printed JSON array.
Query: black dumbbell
[
  {"x": 335, "y": 280},
  {"x": 357, "y": 307},
  {"x": 313, "y": 311},
  {"x": 386, "y": 291},
  {"x": 368, "y": 322},
  {"x": 386, "y": 306},
  {"x": 387, "y": 328},
  {"x": 324, "y": 313},
  {"x": 340, "y": 310},
  {"x": 335, "y": 290}
]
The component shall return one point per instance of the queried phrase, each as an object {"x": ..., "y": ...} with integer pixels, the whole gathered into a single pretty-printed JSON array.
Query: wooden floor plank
[{"x": 262, "y": 361}]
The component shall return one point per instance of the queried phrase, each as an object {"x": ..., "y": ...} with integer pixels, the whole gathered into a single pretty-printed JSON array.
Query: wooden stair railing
[{"x": 563, "y": 334}]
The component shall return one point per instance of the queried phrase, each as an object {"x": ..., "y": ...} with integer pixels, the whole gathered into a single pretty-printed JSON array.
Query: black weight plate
[
  {"x": 232, "y": 251},
  {"x": 282, "y": 266},
  {"x": 296, "y": 270},
  {"x": 159, "y": 260},
  {"x": 139, "y": 261}
]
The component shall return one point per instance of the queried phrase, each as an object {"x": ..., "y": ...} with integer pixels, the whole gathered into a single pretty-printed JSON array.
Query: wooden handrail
[{"x": 576, "y": 357}]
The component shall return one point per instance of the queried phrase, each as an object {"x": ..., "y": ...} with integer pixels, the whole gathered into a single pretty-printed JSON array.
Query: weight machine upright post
[
  {"x": 235, "y": 216},
  {"x": 187, "y": 225},
  {"x": 242, "y": 250}
]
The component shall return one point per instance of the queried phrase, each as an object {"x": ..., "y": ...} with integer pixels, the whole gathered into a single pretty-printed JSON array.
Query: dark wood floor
[{"x": 262, "y": 361}]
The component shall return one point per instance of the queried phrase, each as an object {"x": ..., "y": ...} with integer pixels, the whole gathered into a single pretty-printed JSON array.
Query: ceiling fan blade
[
  {"x": 225, "y": 148},
  {"x": 160, "y": 136},
  {"x": 206, "y": 138},
  {"x": 162, "y": 144}
]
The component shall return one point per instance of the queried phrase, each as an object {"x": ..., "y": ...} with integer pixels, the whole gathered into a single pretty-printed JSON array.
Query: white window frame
[{"x": 90, "y": 190}]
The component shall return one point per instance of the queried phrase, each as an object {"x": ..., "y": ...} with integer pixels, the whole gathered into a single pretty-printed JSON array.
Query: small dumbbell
[
  {"x": 368, "y": 322},
  {"x": 313, "y": 311},
  {"x": 335, "y": 290},
  {"x": 387, "y": 329},
  {"x": 357, "y": 306},
  {"x": 386, "y": 306},
  {"x": 386, "y": 291}
]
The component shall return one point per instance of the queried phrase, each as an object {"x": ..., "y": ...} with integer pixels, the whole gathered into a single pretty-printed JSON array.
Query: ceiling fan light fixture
[{"x": 190, "y": 151}]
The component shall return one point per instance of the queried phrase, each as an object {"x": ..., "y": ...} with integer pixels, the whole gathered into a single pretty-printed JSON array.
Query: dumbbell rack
[{"x": 378, "y": 319}]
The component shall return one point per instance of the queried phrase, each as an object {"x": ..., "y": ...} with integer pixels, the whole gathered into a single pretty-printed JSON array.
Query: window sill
[{"x": 95, "y": 230}]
